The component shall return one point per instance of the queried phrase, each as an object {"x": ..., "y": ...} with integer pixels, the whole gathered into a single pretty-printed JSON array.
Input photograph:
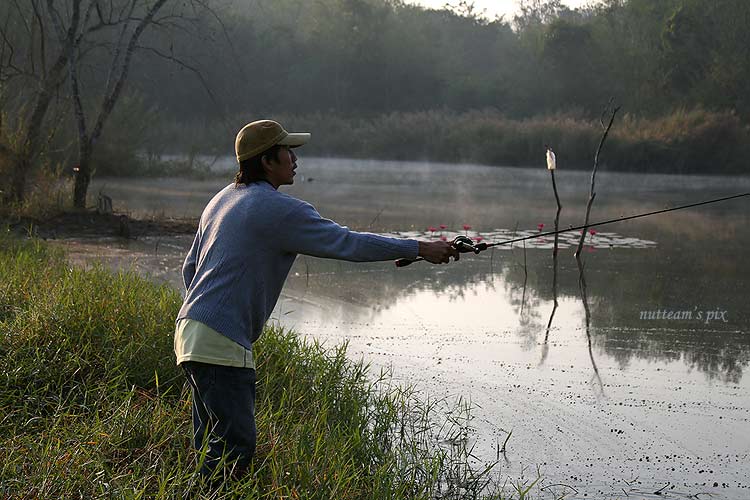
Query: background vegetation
[
  {"x": 383, "y": 79},
  {"x": 387, "y": 79}
]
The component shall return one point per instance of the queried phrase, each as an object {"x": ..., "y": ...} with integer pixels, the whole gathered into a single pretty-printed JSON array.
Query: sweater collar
[{"x": 264, "y": 185}]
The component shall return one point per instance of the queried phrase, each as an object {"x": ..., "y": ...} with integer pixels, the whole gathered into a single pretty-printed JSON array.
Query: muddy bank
[{"x": 90, "y": 224}]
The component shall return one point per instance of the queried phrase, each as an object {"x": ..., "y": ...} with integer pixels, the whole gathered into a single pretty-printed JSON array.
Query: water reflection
[
  {"x": 499, "y": 292},
  {"x": 480, "y": 288}
]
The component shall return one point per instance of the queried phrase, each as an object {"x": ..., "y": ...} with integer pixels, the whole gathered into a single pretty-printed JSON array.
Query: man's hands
[{"x": 437, "y": 252}]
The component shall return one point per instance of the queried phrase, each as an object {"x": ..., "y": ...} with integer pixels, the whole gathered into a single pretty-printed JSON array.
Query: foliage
[
  {"x": 687, "y": 141},
  {"x": 362, "y": 57},
  {"x": 366, "y": 60}
]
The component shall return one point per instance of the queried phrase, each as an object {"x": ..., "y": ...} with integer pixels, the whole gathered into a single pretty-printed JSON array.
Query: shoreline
[{"x": 91, "y": 224}]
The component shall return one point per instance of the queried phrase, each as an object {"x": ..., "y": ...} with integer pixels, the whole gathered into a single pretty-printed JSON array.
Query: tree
[
  {"x": 130, "y": 18},
  {"x": 706, "y": 49},
  {"x": 89, "y": 44},
  {"x": 32, "y": 69}
]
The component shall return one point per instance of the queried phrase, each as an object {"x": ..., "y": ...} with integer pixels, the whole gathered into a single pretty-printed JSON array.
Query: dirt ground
[{"x": 92, "y": 224}]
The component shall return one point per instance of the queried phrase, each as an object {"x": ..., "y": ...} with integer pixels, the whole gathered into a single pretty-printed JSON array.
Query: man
[{"x": 247, "y": 240}]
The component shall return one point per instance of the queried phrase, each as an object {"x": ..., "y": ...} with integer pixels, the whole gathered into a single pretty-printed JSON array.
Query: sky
[{"x": 492, "y": 7}]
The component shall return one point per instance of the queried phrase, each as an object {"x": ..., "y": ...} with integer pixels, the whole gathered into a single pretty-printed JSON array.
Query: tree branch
[
  {"x": 73, "y": 72},
  {"x": 592, "y": 193},
  {"x": 111, "y": 98},
  {"x": 183, "y": 64},
  {"x": 42, "y": 38}
]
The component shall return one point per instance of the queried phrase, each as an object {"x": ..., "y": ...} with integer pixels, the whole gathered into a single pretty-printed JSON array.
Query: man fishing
[{"x": 247, "y": 240}]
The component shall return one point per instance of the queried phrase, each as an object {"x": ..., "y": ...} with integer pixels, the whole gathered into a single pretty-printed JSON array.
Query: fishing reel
[{"x": 464, "y": 244}]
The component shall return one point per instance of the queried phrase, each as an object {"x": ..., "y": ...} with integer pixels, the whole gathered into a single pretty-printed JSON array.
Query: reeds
[
  {"x": 683, "y": 141},
  {"x": 93, "y": 405}
]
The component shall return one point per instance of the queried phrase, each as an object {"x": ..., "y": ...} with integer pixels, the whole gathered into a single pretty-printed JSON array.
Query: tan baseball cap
[{"x": 260, "y": 135}]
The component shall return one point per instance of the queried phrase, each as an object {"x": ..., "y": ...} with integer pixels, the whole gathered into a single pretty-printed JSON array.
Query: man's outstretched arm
[{"x": 305, "y": 231}]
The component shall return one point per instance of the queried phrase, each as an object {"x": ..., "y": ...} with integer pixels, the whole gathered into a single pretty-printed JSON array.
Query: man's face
[{"x": 281, "y": 171}]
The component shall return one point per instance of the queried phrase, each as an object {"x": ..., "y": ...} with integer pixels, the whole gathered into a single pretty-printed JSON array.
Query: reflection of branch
[
  {"x": 525, "y": 279},
  {"x": 579, "y": 263},
  {"x": 545, "y": 345},
  {"x": 587, "y": 311},
  {"x": 525, "y": 268}
]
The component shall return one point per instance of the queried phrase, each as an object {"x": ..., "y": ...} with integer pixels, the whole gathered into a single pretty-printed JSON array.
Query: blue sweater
[{"x": 247, "y": 240}]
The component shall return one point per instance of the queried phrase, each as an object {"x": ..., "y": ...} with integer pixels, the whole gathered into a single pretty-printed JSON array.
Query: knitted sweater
[{"x": 247, "y": 240}]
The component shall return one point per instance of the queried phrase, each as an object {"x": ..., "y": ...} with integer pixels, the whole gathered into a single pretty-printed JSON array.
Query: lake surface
[{"x": 639, "y": 401}]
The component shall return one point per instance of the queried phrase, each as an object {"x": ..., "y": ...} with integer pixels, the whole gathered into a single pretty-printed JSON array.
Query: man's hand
[{"x": 437, "y": 252}]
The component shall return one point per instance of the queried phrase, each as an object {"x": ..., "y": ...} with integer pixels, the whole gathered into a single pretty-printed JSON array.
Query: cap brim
[{"x": 294, "y": 140}]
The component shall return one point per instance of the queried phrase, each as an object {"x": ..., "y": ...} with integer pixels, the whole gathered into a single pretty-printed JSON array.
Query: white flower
[{"x": 551, "y": 161}]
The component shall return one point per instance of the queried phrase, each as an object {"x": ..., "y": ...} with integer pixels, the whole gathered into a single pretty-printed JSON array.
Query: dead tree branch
[
  {"x": 592, "y": 193},
  {"x": 555, "y": 305}
]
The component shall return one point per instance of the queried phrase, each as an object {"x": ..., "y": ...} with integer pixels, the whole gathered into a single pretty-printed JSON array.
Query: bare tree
[
  {"x": 46, "y": 43},
  {"x": 33, "y": 70},
  {"x": 131, "y": 18}
]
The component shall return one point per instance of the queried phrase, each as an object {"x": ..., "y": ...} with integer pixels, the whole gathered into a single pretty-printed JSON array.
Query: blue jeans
[{"x": 223, "y": 416}]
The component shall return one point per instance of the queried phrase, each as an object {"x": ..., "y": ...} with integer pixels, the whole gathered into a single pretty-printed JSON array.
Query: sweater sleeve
[
  {"x": 304, "y": 231},
  {"x": 188, "y": 267}
]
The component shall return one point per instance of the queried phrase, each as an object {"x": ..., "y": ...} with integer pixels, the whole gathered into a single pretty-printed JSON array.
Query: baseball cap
[{"x": 256, "y": 137}]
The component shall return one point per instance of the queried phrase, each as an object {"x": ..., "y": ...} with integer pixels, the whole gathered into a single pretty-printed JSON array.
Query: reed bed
[
  {"x": 92, "y": 405},
  {"x": 683, "y": 141}
]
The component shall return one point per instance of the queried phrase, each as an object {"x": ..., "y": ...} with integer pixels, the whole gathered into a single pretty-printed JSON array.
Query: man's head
[{"x": 264, "y": 152}]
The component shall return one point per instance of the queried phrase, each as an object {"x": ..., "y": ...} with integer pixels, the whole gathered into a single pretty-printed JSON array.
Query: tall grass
[
  {"x": 48, "y": 192},
  {"x": 685, "y": 141},
  {"x": 93, "y": 406}
]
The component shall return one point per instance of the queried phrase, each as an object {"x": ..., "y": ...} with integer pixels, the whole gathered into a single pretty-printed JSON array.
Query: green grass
[{"x": 92, "y": 406}]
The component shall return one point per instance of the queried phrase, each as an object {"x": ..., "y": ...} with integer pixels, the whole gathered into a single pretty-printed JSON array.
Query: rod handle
[{"x": 406, "y": 262}]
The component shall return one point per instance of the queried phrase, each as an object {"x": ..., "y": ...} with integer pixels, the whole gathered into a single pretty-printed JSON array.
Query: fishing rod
[{"x": 464, "y": 244}]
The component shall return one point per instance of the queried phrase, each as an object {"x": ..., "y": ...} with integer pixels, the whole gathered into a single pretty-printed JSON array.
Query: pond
[{"x": 650, "y": 397}]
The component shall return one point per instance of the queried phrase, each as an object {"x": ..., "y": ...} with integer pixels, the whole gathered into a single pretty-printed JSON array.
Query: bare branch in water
[
  {"x": 592, "y": 193},
  {"x": 579, "y": 262},
  {"x": 545, "y": 346}
]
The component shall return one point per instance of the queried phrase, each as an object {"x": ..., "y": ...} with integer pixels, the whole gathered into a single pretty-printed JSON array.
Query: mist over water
[{"x": 639, "y": 400}]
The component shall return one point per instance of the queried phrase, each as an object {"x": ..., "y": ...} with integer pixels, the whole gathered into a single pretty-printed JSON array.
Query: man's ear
[{"x": 267, "y": 168}]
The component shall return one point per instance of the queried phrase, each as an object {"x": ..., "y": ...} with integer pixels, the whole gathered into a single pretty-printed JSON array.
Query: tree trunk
[
  {"x": 15, "y": 167},
  {"x": 21, "y": 158},
  {"x": 83, "y": 178},
  {"x": 86, "y": 141},
  {"x": 19, "y": 167}
]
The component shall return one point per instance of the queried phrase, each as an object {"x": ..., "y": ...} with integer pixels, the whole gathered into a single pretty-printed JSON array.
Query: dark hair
[{"x": 251, "y": 170}]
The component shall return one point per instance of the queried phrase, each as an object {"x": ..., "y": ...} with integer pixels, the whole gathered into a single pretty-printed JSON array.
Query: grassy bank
[
  {"x": 93, "y": 406},
  {"x": 684, "y": 141}
]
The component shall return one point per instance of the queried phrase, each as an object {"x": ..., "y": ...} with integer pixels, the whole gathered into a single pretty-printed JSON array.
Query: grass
[
  {"x": 92, "y": 405},
  {"x": 48, "y": 193}
]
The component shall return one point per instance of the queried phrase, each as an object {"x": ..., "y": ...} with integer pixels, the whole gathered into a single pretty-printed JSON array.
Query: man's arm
[
  {"x": 188, "y": 267},
  {"x": 305, "y": 231}
]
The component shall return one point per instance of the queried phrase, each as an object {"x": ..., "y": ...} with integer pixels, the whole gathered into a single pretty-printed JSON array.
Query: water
[{"x": 636, "y": 402}]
